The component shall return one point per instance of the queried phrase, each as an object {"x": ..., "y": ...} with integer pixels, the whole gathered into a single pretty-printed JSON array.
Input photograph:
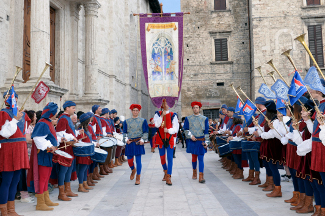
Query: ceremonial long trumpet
[
  {"x": 301, "y": 39},
  {"x": 268, "y": 120},
  {"x": 18, "y": 69},
  {"x": 259, "y": 70}
]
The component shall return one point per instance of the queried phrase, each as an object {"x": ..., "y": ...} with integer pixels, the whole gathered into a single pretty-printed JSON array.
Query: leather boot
[
  {"x": 117, "y": 163},
  {"x": 95, "y": 177},
  {"x": 137, "y": 180},
  {"x": 165, "y": 174},
  {"x": 106, "y": 168},
  {"x": 250, "y": 176},
  {"x": 82, "y": 189},
  {"x": 153, "y": 150},
  {"x": 134, "y": 171},
  {"x": 235, "y": 173},
  {"x": 194, "y": 174},
  {"x": 276, "y": 192},
  {"x": 322, "y": 212},
  {"x": 257, "y": 179},
  {"x": 301, "y": 202},
  {"x": 317, "y": 210},
  {"x": 266, "y": 182},
  {"x": 229, "y": 165},
  {"x": 308, "y": 206},
  {"x": 11, "y": 208},
  {"x": 225, "y": 164},
  {"x": 102, "y": 171},
  {"x": 97, "y": 173},
  {"x": 62, "y": 195},
  {"x": 294, "y": 199},
  {"x": 86, "y": 186},
  {"x": 68, "y": 191},
  {"x": 270, "y": 185},
  {"x": 109, "y": 170},
  {"x": 168, "y": 180},
  {"x": 111, "y": 165},
  {"x": 201, "y": 178},
  {"x": 240, "y": 174},
  {"x": 88, "y": 180},
  {"x": 4, "y": 209},
  {"x": 47, "y": 199},
  {"x": 41, "y": 206},
  {"x": 234, "y": 170},
  {"x": 92, "y": 178}
]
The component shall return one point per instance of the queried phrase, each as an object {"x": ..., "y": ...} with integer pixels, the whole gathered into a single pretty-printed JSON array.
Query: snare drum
[
  {"x": 82, "y": 149},
  {"x": 119, "y": 139},
  {"x": 221, "y": 140},
  {"x": 249, "y": 146},
  {"x": 234, "y": 145},
  {"x": 99, "y": 156},
  {"x": 224, "y": 150},
  {"x": 62, "y": 158},
  {"x": 107, "y": 142}
]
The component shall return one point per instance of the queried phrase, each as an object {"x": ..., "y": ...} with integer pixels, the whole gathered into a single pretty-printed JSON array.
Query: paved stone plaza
[{"x": 220, "y": 195}]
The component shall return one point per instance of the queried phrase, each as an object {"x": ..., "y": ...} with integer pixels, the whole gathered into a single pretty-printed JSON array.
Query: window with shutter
[
  {"x": 221, "y": 49},
  {"x": 313, "y": 2},
  {"x": 315, "y": 40},
  {"x": 219, "y": 4}
]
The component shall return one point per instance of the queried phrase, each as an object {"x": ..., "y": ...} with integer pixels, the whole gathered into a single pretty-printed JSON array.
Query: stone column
[
  {"x": 40, "y": 38},
  {"x": 91, "y": 72},
  {"x": 73, "y": 76}
]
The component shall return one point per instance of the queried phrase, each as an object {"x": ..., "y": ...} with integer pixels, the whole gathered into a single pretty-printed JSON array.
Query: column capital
[
  {"x": 91, "y": 8},
  {"x": 75, "y": 8}
]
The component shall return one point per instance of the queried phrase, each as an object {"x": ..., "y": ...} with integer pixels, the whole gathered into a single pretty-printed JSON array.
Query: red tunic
[
  {"x": 84, "y": 160},
  {"x": 13, "y": 155},
  {"x": 234, "y": 133},
  {"x": 292, "y": 158},
  {"x": 169, "y": 124},
  {"x": 63, "y": 125}
]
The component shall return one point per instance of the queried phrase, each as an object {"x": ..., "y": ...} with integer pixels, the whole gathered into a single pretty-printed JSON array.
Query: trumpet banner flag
[
  {"x": 313, "y": 81},
  {"x": 297, "y": 88},
  {"x": 40, "y": 92},
  {"x": 12, "y": 101},
  {"x": 266, "y": 91},
  {"x": 162, "y": 56},
  {"x": 238, "y": 106},
  {"x": 281, "y": 90},
  {"x": 248, "y": 110}
]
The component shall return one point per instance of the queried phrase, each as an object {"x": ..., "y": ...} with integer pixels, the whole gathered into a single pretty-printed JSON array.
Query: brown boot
[
  {"x": 301, "y": 202},
  {"x": 82, "y": 189},
  {"x": 317, "y": 210},
  {"x": 106, "y": 168},
  {"x": 109, "y": 170},
  {"x": 134, "y": 171},
  {"x": 92, "y": 178},
  {"x": 11, "y": 208},
  {"x": 276, "y": 192},
  {"x": 294, "y": 199},
  {"x": 234, "y": 173},
  {"x": 257, "y": 179},
  {"x": 308, "y": 207},
  {"x": 95, "y": 177},
  {"x": 68, "y": 191},
  {"x": 47, "y": 199},
  {"x": 3, "y": 209},
  {"x": 111, "y": 165},
  {"x": 168, "y": 180},
  {"x": 233, "y": 169},
  {"x": 322, "y": 212},
  {"x": 165, "y": 174},
  {"x": 102, "y": 171},
  {"x": 86, "y": 186},
  {"x": 117, "y": 163},
  {"x": 240, "y": 174},
  {"x": 201, "y": 178},
  {"x": 89, "y": 181},
  {"x": 270, "y": 185},
  {"x": 194, "y": 174},
  {"x": 250, "y": 176},
  {"x": 41, "y": 206},
  {"x": 229, "y": 165},
  {"x": 62, "y": 195},
  {"x": 137, "y": 180},
  {"x": 266, "y": 183},
  {"x": 96, "y": 172}
]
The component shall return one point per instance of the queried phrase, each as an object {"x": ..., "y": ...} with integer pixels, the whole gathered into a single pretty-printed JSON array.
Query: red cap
[
  {"x": 151, "y": 119},
  {"x": 196, "y": 103},
  {"x": 135, "y": 106}
]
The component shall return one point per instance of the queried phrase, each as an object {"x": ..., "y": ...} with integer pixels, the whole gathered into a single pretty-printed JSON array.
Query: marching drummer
[
  {"x": 134, "y": 137},
  {"x": 66, "y": 129},
  {"x": 44, "y": 144},
  {"x": 109, "y": 132},
  {"x": 165, "y": 138},
  {"x": 196, "y": 128}
]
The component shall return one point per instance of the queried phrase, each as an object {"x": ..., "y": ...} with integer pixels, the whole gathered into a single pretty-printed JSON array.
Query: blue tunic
[
  {"x": 135, "y": 128},
  {"x": 198, "y": 125}
]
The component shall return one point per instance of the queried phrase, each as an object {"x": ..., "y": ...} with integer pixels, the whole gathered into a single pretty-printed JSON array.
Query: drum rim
[{"x": 58, "y": 152}]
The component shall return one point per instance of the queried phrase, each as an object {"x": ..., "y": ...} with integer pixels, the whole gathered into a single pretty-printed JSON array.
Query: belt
[
  {"x": 200, "y": 139},
  {"x": 316, "y": 139},
  {"x": 13, "y": 140},
  {"x": 135, "y": 140}
]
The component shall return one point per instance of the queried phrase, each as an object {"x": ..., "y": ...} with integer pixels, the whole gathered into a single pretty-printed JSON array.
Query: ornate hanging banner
[{"x": 162, "y": 56}]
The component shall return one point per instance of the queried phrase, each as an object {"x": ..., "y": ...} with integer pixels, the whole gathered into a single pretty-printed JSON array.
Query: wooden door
[
  {"x": 52, "y": 43},
  {"x": 26, "y": 51}
]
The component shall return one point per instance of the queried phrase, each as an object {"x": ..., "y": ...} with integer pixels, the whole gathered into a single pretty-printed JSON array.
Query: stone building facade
[
  {"x": 93, "y": 46},
  {"x": 255, "y": 32}
]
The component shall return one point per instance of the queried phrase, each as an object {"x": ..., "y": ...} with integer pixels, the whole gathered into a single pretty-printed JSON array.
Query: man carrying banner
[
  {"x": 167, "y": 124},
  {"x": 65, "y": 129},
  {"x": 135, "y": 133},
  {"x": 196, "y": 129},
  {"x": 13, "y": 151}
]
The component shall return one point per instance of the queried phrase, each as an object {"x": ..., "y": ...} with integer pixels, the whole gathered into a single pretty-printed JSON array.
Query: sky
[{"x": 171, "y": 6}]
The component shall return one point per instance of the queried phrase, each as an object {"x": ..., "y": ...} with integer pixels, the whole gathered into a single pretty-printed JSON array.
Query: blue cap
[
  {"x": 105, "y": 111},
  {"x": 309, "y": 104},
  {"x": 116, "y": 119},
  {"x": 90, "y": 114},
  {"x": 270, "y": 106},
  {"x": 302, "y": 99},
  {"x": 50, "y": 110},
  {"x": 224, "y": 106},
  {"x": 231, "y": 109},
  {"x": 260, "y": 100},
  {"x": 94, "y": 108},
  {"x": 84, "y": 117},
  {"x": 113, "y": 111},
  {"x": 10, "y": 92},
  {"x": 236, "y": 116},
  {"x": 68, "y": 104}
]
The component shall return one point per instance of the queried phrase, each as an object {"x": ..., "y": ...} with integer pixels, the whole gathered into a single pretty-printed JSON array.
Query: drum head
[
  {"x": 106, "y": 142},
  {"x": 62, "y": 153},
  {"x": 100, "y": 151},
  {"x": 81, "y": 144}
]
